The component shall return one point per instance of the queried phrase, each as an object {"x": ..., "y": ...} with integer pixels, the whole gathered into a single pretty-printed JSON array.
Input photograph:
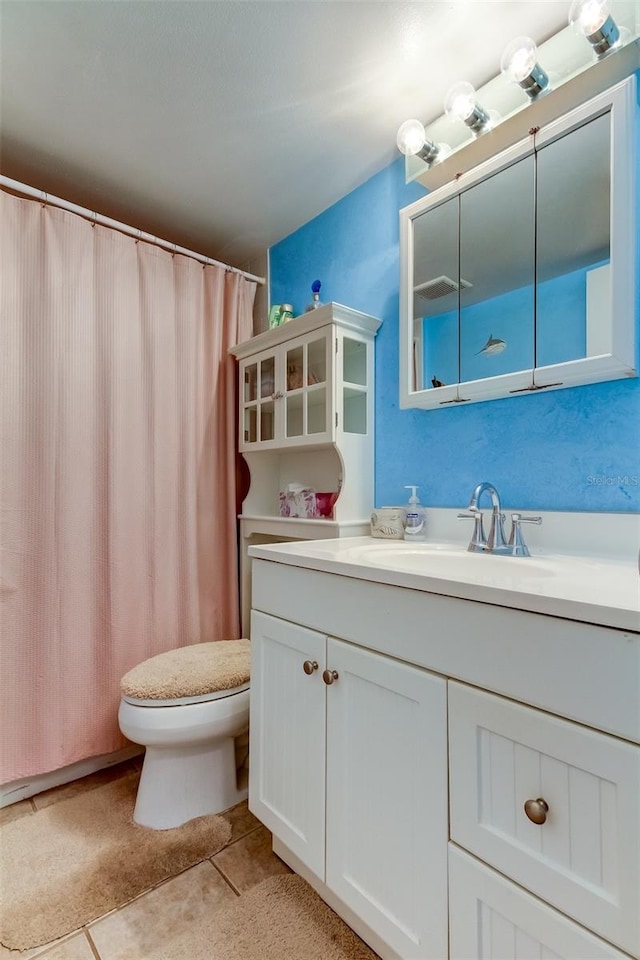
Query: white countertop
[{"x": 593, "y": 590}]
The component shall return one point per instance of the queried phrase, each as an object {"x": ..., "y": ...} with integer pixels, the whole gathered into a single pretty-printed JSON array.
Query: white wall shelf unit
[{"x": 306, "y": 412}]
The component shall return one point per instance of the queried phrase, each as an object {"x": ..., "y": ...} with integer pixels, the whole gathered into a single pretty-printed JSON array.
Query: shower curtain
[{"x": 118, "y": 472}]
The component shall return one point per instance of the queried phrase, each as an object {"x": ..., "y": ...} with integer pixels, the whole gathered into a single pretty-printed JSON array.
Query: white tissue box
[{"x": 307, "y": 504}]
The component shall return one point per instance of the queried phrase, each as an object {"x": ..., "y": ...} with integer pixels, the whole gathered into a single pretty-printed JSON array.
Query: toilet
[{"x": 186, "y": 706}]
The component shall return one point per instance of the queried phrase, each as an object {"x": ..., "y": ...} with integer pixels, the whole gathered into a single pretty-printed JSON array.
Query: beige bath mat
[
  {"x": 79, "y": 858},
  {"x": 281, "y": 918}
]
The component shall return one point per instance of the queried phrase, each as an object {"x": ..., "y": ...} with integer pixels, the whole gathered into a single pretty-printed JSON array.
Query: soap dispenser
[{"x": 415, "y": 519}]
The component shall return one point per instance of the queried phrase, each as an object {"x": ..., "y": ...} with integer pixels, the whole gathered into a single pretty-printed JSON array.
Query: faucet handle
[
  {"x": 518, "y": 518},
  {"x": 478, "y": 542},
  {"x": 516, "y": 543}
]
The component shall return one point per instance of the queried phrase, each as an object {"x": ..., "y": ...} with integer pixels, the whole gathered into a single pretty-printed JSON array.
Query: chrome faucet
[{"x": 496, "y": 542}]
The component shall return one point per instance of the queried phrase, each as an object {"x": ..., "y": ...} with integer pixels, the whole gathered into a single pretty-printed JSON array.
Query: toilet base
[{"x": 180, "y": 783}]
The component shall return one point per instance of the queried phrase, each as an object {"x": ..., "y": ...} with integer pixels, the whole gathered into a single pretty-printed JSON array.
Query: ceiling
[{"x": 223, "y": 125}]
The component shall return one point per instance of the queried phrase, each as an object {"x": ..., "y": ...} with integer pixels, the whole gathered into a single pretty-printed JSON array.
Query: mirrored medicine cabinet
[{"x": 520, "y": 275}]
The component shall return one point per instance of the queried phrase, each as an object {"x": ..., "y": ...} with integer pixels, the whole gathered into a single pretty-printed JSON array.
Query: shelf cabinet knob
[
  {"x": 329, "y": 676},
  {"x": 536, "y": 810},
  {"x": 309, "y": 666}
]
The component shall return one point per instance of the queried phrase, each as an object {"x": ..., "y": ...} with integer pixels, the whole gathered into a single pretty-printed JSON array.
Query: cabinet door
[
  {"x": 493, "y": 919},
  {"x": 387, "y": 798},
  {"x": 354, "y": 396},
  {"x": 258, "y": 402},
  {"x": 287, "y": 735},
  {"x": 551, "y": 804},
  {"x": 307, "y": 411}
]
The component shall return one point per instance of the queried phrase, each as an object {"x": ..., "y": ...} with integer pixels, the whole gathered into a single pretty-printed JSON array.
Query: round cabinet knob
[
  {"x": 329, "y": 676},
  {"x": 309, "y": 666},
  {"x": 536, "y": 810}
]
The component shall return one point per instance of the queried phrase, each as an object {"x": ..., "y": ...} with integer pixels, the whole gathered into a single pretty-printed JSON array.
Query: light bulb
[
  {"x": 519, "y": 63},
  {"x": 461, "y": 103},
  {"x": 412, "y": 141},
  {"x": 411, "y": 137},
  {"x": 593, "y": 20},
  {"x": 587, "y": 16}
]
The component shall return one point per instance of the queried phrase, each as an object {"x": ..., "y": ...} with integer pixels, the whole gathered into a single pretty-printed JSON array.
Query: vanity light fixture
[
  {"x": 592, "y": 19},
  {"x": 519, "y": 64},
  {"x": 412, "y": 141},
  {"x": 461, "y": 103}
]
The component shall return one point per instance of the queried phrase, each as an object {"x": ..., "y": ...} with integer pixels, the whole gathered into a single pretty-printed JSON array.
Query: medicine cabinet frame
[{"x": 617, "y": 333}]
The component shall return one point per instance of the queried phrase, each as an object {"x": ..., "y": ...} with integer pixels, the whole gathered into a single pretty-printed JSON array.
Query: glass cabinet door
[
  {"x": 258, "y": 401},
  {"x": 354, "y": 386},
  {"x": 306, "y": 395}
]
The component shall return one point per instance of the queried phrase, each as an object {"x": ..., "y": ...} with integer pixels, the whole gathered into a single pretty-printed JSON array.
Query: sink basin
[{"x": 447, "y": 561}]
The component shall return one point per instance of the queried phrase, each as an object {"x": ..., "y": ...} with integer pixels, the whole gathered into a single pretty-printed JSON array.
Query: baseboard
[{"x": 30, "y": 786}]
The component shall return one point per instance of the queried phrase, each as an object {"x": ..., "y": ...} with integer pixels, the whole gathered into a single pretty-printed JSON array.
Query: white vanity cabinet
[
  {"x": 398, "y": 790},
  {"x": 349, "y": 772}
]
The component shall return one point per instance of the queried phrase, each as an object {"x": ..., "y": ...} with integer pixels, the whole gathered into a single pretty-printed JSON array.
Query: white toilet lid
[{"x": 181, "y": 701}]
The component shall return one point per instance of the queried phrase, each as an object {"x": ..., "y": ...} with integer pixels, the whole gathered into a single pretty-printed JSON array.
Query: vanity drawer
[
  {"x": 493, "y": 919},
  {"x": 584, "y": 858}
]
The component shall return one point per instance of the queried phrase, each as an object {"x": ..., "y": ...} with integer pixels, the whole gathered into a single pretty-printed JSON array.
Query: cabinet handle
[
  {"x": 278, "y": 395},
  {"x": 309, "y": 666},
  {"x": 329, "y": 676},
  {"x": 536, "y": 810}
]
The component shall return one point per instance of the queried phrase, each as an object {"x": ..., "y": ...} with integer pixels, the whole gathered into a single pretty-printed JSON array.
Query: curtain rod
[{"x": 116, "y": 225}]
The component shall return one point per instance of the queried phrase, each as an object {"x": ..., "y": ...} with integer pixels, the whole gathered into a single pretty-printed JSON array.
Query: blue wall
[{"x": 572, "y": 449}]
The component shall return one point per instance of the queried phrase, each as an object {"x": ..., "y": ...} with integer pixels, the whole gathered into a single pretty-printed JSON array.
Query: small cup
[
  {"x": 387, "y": 523},
  {"x": 286, "y": 312}
]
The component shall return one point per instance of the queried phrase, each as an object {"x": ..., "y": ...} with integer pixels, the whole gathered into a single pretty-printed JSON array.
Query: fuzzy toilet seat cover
[{"x": 190, "y": 671}]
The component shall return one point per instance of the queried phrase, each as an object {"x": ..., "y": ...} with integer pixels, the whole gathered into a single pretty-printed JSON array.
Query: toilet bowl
[{"x": 186, "y": 707}]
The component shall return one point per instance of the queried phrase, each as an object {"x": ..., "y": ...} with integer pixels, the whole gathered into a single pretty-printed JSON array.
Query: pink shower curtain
[{"x": 118, "y": 472}]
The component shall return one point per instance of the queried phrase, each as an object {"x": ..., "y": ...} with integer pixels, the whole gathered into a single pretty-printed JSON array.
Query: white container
[{"x": 387, "y": 523}]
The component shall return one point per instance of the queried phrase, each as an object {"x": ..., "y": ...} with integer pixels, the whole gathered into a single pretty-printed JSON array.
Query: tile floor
[{"x": 173, "y": 908}]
